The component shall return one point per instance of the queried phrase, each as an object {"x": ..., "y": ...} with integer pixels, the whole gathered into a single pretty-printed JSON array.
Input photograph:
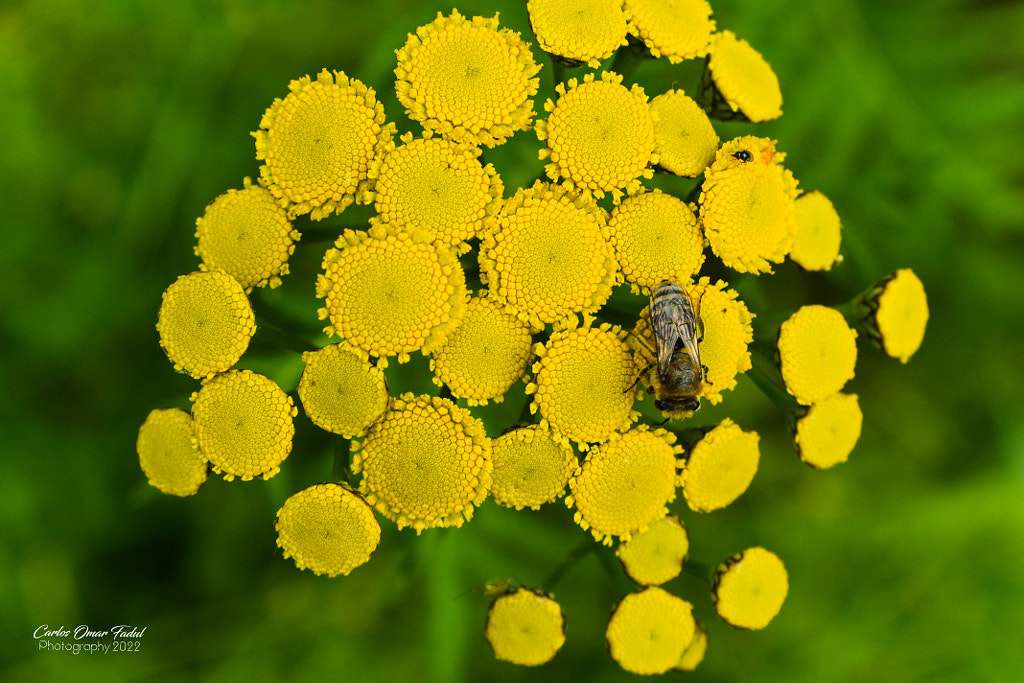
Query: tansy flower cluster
[{"x": 576, "y": 295}]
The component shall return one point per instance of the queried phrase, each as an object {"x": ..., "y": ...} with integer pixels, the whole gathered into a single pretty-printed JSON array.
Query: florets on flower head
[
  {"x": 677, "y": 30},
  {"x": 578, "y": 31}
]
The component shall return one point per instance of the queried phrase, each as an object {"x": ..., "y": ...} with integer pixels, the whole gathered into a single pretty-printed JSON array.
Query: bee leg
[
  {"x": 639, "y": 375},
  {"x": 704, "y": 368}
]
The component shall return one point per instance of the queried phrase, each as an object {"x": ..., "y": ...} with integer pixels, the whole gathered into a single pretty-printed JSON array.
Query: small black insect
[{"x": 743, "y": 155}]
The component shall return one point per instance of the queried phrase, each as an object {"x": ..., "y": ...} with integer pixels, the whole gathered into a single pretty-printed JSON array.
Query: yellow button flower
[
  {"x": 656, "y": 237},
  {"x": 578, "y": 31},
  {"x": 168, "y": 453},
  {"x": 426, "y": 464},
  {"x": 816, "y": 242},
  {"x": 549, "y": 255},
  {"x": 467, "y": 79},
  {"x": 244, "y": 424},
  {"x": 695, "y": 651},
  {"x": 246, "y": 234},
  {"x": 895, "y": 314},
  {"x": 649, "y": 631},
  {"x": 525, "y": 627},
  {"x": 746, "y": 205},
  {"x": 530, "y": 467},
  {"x": 817, "y": 353},
  {"x": 320, "y": 144},
  {"x": 625, "y": 485},
  {"x": 438, "y": 186},
  {"x": 727, "y": 336},
  {"x": 749, "y": 588},
  {"x": 599, "y": 134},
  {"x": 485, "y": 355},
  {"x": 390, "y": 292},
  {"x": 327, "y": 529},
  {"x": 744, "y": 83},
  {"x": 581, "y": 383},
  {"x": 829, "y": 430},
  {"x": 720, "y": 467},
  {"x": 678, "y": 30},
  {"x": 341, "y": 391},
  {"x": 205, "y": 323},
  {"x": 684, "y": 138},
  {"x": 655, "y": 556}
]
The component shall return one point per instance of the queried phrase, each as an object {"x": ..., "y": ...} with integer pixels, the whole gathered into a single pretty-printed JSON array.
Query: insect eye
[{"x": 743, "y": 155}]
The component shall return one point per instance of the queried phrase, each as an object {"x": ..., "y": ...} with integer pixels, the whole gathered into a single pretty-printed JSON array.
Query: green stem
[
  {"x": 279, "y": 337},
  {"x": 628, "y": 59},
  {"x": 699, "y": 570},
  {"x": 340, "y": 471},
  {"x": 763, "y": 374},
  {"x": 572, "y": 558}
]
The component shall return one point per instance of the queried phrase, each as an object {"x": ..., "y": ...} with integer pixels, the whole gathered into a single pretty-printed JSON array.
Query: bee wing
[{"x": 666, "y": 345}]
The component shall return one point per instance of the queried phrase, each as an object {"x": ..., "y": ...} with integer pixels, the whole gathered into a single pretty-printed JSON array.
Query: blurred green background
[{"x": 123, "y": 120}]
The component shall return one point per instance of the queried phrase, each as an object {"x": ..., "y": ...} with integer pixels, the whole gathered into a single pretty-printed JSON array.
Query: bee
[{"x": 678, "y": 331}]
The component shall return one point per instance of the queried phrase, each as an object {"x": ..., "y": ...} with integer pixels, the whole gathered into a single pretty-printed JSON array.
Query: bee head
[{"x": 682, "y": 404}]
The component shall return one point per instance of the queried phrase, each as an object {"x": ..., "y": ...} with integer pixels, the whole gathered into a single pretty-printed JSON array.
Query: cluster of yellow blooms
[{"x": 549, "y": 256}]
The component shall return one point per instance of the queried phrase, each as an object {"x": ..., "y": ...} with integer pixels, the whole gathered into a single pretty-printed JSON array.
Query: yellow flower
[
  {"x": 319, "y": 145},
  {"x": 341, "y": 391},
  {"x": 720, "y": 467},
  {"x": 695, "y": 651},
  {"x": 649, "y": 631},
  {"x": 743, "y": 81},
  {"x": 549, "y": 255},
  {"x": 599, "y": 134},
  {"x": 426, "y": 464},
  {"x": 578, "y": 31},
  {"x": 895, "y": 314},
  {"x": 817, "y": 353},
  {"x": 328, "y": 529},
  {"x": 248, "y": 235},
  {"x": 205, "y": 323},
  {"x": 749, "y": 588},
  {"x": 168, "y": 454},
  {"x": 684, "y": 138},
  {"x": 656, "y": 237},
  {"x": 525, "y": 627},
  {"x": 678, "y": 30},
  {"x": 530, "y": 467},
  {"x": 391, "y": 292},
  {"x": 655, "y": 556},
  {"x": 467, "y": 79},
  {"x": 746, "y": 205},
  {"x": 816, "y": 242},
  {"x": 581, "y": 383},
  {"x": 829, "y": 430},
  {"x": 625, "y": 485},
  {"x": 244, "y": 424},
  {"x": 438, "y": 186},
  {"x": 485, "y": 355}
]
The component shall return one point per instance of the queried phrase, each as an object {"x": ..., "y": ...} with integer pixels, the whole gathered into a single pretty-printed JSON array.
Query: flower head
[
  {"x": 727, "y": 336},
  {"x": 581, "y": 383},
  {"x": 425, "y": 464},
  {"x": 549, "y": 255},
  {"x": 244, "y": 424},
  {"x": 684, "y": 138},
  {"x": 485, "y": 355},
  {"x": 168, "y": 454},
  {"x": 829, "y": 430},
  {"x": 649, "y": 631},
  {"x": 341, "y": 391},
  {"x": 655, "y": 556},
  {"x": 625, "y": 485},
  {"x": 744, "y": 82},
  {"x": 438, "y": 186},
  {"x": 895, "y": 314},
  {"x": 525, "y": 627},
  {"x": 319, "y": 145},
  {"x": 749, "y": 588},
  {"x": 746, "y": 205},
  {"x": 678, "y": 30},
  {"x": 695, "y": 651},
  {"x": 578, "y": 31},
  {"x": 656, "y": 237},
  {"x": 467, "y": 79},
  {"x": 817, "y": 353},
  {"x": 246, "y": 234},
  {"x": 599, "y": 134},
  {"x": 720, "y": 467},
  {"x": 328, "y": 529},
  {"x": 205, "y": 323},
  {"x": 391, "y": 292},
  {"x": 816, "y": 241},
  {"x": 530, "y": 467}
]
